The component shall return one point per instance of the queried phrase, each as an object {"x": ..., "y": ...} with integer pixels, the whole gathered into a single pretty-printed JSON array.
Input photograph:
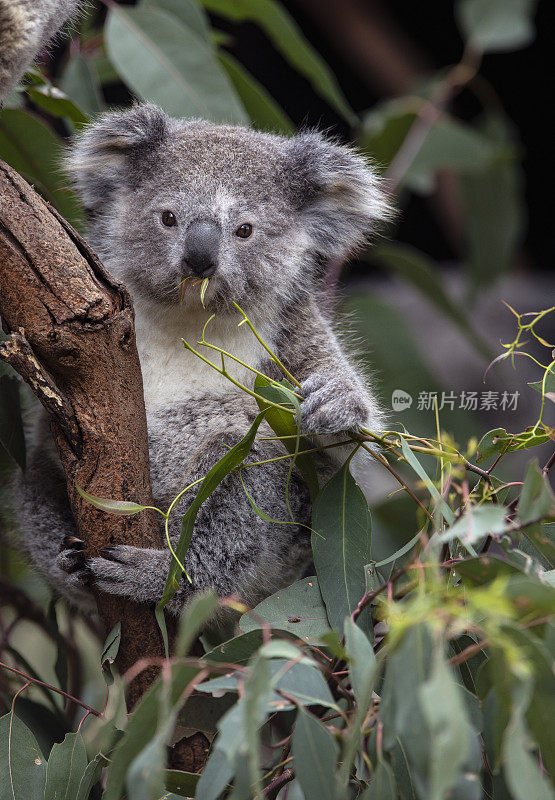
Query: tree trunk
[{"x": 72, "y": 339}]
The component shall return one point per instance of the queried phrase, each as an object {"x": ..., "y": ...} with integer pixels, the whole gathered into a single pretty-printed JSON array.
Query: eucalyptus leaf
[
  {"x": 343, "y": 546},
  {"x": 476, "y": 523},
  {"x": 536, "y": 498},
  {"x": 80, "y": 82},
  {"x": 285, "y": 35},
  {"x": 109, "y": 653},
  {"x": 298, "y": 609},
  {"x": 188, "y": 12},
  {"x": 450, "y": 729},
  {"x": 122, "y": 508},
  {"x": 57, "y": 103},
  {"x": 497, "y": 26},
  {"x": 259, "y": 104},
  {"x": 35, "y": 151},
  {"x": 166, "y": 63},
  {"x": 315, "y": 752},
  {"x": 66, "y": 767},
  {"x": 193, "y": 619},
  {"x": 22, "y": 765}
]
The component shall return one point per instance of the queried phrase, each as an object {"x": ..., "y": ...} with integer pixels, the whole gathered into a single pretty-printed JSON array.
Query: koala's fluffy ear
[
  {"x": 101, "y": 153},
  {"x": 337, "y": 191}
]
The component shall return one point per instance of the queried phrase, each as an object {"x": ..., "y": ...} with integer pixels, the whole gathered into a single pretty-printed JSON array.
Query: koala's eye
[
  {"x": 244, "y": 230},
  {"x": 169, "y": 218}
]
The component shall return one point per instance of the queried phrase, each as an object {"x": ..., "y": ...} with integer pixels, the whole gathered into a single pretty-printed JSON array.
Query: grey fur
[
  {"x": 26, "y": 28},
  {"x": 307, "y": 199}
]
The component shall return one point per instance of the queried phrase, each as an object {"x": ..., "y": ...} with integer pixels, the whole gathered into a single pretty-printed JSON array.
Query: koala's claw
[
  {"x": 110, "y": 554},
  {"x": 331, "y": 405},
  {"x": 73, "y": 561}
]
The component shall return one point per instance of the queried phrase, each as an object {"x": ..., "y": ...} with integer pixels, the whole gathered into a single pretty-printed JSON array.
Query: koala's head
[{"x": 256, "y": 213}]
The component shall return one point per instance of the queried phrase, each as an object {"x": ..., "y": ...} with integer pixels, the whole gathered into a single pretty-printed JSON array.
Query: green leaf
[
  {"x": 80, "y": 81},
  {"x": 440, "y": 503},
  {"x": 383, "y": 786},
  {"x": 485, "y": 569},
  {"x": 419, "y": 270},
  {"x": 497, "y": 26},
  {"x": 288, "y": 39},
  {"x": 238, "y": 650},
  {"x": 543, "y": 539},
  {"x": 477, "y": 522},
  {"x": 22, "y": 766},
  {"x": 66, "y": 767},
  {"x": 298, "y": 609},
  {"x": 57, "y": 103},
  {"x": 547, "y": 388},
  {"x": 499, "y": 441},
  {"x": 122, "y": 508},
  {"x": 232, "y": 459},
  {"x": 316, "y": 753},
  {"x": 188, "y": 12},
  {"x": 181, "y": 783},
  {"x": 362, "y": 665},
  {"x": 536, "y": 498},
  {"x": 12, "y": 438},
  {"x": 450, "y": 144},
  {"x": 520, "y": 768},
  {"x": 193, "y": 619},
  {"x": 261, "y": 107},
  {"x": 450, "y": 729},
  {"x": 407, "y": 669},
  {"x": 283, "y": 424},
  {"x": 166, "y": 63},
  {"x": 35, "y": 151},
  {"x": 147, "y": 734},
  {"x": 91, "y": 776},
  {"x": 344, "y": 545},
  {"x": 493, "y": 206},
  {"x": 48, "y": 726},
  {"x": 301, "y": 681},
  {"x": 109, "y": 653}
]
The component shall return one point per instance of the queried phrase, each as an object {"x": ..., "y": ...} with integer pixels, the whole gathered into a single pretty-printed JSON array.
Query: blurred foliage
[{"x": 417, "y": 663}]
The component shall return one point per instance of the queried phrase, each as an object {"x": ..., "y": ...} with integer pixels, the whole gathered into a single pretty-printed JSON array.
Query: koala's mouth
[{"x": 193, "y": 283}]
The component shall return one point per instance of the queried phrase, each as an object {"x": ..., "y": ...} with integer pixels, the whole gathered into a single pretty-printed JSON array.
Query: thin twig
[
  {"x": 273, "y": 789},
  {"x": 36, "y": 681}
]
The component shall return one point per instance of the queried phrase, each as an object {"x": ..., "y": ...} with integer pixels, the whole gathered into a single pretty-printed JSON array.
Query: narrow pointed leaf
[{"x": 343, "y": 546}]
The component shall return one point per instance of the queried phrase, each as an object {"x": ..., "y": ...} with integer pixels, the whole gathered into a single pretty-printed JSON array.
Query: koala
[
  {"x": 170, "y": 202},
  {"x": 26, "y": 28}
]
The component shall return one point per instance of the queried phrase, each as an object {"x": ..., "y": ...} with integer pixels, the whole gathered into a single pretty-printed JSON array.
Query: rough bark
[{"x": 72, "y": 339}]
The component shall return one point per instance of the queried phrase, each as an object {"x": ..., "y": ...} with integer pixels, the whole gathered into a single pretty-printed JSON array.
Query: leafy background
[{"x": 457, "y": 700}]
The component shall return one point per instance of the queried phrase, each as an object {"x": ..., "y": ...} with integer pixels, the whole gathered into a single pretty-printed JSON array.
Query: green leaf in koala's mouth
[{"x": 203, "y": 288}]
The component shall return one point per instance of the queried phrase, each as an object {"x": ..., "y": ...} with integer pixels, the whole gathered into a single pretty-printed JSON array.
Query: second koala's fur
[
  {"x": 26, "y": 28},
  {"x": 258, "y": 214}
]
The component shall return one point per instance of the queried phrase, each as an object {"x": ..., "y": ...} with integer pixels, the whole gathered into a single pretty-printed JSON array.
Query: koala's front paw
[
  {"x": 333, "y": 404},
  {"x": 135, "y": 572}
]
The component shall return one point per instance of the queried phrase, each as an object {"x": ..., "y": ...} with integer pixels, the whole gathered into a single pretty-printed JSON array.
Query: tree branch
[{"x": 72, "y": 340}]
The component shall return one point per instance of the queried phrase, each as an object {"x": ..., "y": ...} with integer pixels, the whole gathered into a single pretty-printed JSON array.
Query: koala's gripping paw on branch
[
  {"x": 333, "y": 404},
  {"x": 124, "y": 570}
]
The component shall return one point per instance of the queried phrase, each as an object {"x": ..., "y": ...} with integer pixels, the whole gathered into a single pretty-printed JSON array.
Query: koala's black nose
[{"x": 202, "y": 246}]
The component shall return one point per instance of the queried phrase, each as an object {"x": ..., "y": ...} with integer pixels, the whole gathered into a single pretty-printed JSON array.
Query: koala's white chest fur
[{"x": 171, "y": 373}]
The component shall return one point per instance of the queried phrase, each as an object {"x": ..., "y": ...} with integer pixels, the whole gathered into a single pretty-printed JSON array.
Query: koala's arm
[
  {"x": 26, "y": 28},
  {"x": 335, "y": 395}
]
